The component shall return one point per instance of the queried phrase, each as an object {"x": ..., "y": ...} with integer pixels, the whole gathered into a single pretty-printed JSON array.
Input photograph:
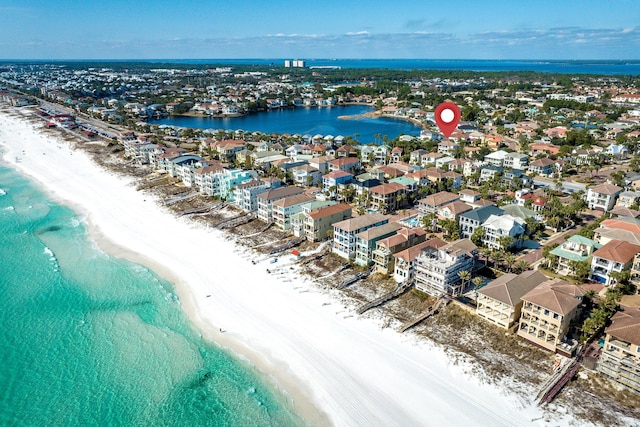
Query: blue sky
[{"x": 490, "y": 29}]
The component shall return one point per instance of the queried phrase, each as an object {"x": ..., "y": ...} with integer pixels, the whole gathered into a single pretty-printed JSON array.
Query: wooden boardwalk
[
  {"x": 236, "y": 221},
  {"x": 181, "y": 198},
  {"x": 201, "y": 209},
  {"x": 433, "y": 309},
  {"x": 553, "y": 386},
  {"x": 287, "y": 245},
  {"x": 353, "y": 279},
  {"x": 399, "y": 290}
]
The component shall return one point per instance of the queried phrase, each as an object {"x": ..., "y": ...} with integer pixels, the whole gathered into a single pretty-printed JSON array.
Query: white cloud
[{"x": 555, "y": 43}]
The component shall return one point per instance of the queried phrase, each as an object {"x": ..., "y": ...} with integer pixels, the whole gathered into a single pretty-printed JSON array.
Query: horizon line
[{"x": 317, "y": 59}]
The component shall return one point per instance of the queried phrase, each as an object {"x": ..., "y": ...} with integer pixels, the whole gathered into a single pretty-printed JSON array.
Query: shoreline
[
  {"x": 298, "y": 399},
  {"x": 350, "y": 370},
  {"x": 250, "y": 113},
  {"x": 275, "y": 375},
  {"x": 378, "y": 114}
]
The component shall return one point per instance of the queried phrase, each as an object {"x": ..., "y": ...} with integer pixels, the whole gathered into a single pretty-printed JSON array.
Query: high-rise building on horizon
[{"x": 295, "y": 63}]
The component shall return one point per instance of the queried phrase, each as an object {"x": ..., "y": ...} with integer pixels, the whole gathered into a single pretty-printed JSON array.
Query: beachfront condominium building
[
  {"x": 245, "y": 197},
  {"x": 205, "y": 178},
  {"x": 603, "y": 197},
  {"x": 230, "y": 179},
  {"x": 437, "y": 269},
  {"x": 181, "y": 167},
  {"x": 382, "y": 256},
  {"x": 172, "y": 164},
  {"x": 283, "y": 209},
  {"x": 161, "y": 152},
  {"x": 267, "y": 198},
  {"x": 366, "y": 241},
  {"x": 405, "y": 261},
  {"x": 298, "y": 219},
  {"x": 547, "y": 312},
  {"x": 620, "y": 356},
  {"x": 139, "y": 151},
  {"x": 344, "y": 233},
  {"x": 615, "y": 256},
  {"x": 500, "y": 301},
  {"x": 221, "y": 182},
  {"x": 318, "y": 223}
]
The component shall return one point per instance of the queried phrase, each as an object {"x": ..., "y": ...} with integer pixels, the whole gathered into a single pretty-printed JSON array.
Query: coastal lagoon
[
  {"x": 306, "y": 120},
  {"x": 90, "y": 339}
]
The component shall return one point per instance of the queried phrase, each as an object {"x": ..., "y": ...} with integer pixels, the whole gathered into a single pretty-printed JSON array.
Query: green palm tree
[
  {"x": 465, "y": 276},
  {"x": 477, "y": 281},
  {"x": 509, "y": 260},
  {"x": 485, "y": 253},
  {"x": 521, "y": 266}
]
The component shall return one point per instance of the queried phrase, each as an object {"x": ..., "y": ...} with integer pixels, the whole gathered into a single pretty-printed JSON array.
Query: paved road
[
  {"x": 536, "y": 255},
  {"x": 567, "y": 186}
]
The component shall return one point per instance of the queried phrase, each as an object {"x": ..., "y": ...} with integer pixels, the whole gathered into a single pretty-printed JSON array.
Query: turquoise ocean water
[{"x": 89, "y": 339}]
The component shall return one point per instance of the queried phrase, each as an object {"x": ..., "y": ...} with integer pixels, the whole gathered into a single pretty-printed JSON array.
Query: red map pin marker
[{"x": 447, "y": 117}]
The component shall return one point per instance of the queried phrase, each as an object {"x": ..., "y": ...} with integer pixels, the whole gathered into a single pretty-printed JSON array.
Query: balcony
[
  {"x": 620, "y": 344},
  {"x": 600, "y": 270},
  {"x": 631, "y": 362}
]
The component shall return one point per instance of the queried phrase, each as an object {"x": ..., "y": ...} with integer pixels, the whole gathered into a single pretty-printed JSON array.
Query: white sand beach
[{"x": 339, "y": 368}]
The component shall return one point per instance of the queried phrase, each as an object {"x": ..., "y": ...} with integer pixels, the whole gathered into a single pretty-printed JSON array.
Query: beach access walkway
[
  {"x": 430, "y": 311},
  {"x": 353, "y": 279},
  {"x": 559, "y": 379},
  {"x": 399, "y": 290}
]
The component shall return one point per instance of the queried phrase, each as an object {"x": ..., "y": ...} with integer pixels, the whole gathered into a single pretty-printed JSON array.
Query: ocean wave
[{"x": 52, "y": 257}]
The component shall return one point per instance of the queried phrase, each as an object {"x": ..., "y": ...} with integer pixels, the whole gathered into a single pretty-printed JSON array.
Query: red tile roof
[
  {"x": 625, "y": 325},
  {"x": 392, "y": 187},
  {"x": 618, "y": 251},
  {"x": 330, "y": 210}
]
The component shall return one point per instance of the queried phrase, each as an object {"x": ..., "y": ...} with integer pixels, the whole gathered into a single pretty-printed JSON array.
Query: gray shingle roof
[{"x": 482, "y": 214}]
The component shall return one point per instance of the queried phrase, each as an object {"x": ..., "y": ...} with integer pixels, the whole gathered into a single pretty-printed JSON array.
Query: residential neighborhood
[{"x": 527, "y": 216}]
